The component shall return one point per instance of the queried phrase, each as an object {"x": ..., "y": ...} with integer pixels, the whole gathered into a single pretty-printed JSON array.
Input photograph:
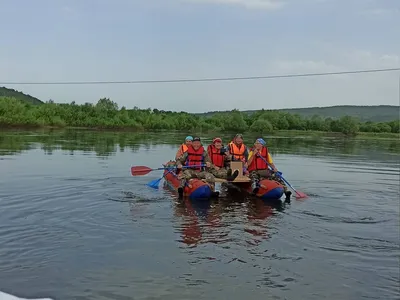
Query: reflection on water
[
  {"x": 108, "y": 143},
  {"x": 202, "y": 222},
  {"x": 76, "y": 225}
]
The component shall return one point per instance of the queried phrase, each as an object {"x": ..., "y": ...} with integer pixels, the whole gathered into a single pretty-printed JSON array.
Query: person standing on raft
[
  {"x": 258, "y": 167},
  {"x": 183, "y": 148},
  {"x": 195, "y": 155},
  {"x": 220, "y": 158}
]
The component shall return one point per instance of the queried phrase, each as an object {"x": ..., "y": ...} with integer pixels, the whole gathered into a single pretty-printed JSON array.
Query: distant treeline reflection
[{"x": 106, "y": 143}]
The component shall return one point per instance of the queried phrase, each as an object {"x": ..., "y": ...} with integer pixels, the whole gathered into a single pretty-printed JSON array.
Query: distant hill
[
  {"x": 5, "y": 92},
  {"x": 374, "y": 113}
]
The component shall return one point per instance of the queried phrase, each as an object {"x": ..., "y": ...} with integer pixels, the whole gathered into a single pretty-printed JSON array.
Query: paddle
[
  {"x": 143, "y": 170},
  {"x": 299, "y": 194},
  {"x": 154, "y": 183}
]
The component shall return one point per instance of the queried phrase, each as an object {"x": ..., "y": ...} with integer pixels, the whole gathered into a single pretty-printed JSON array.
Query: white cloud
[
  {"x": 304, "y": 66},
  {"x": 271, "y": 52},
  {"x": 69, "y": 11},
  {"x": 390, "y": 59},
  {"x": 354, "y": 89},
  {"x": 369, "y": 60},
  {"x": 308, "y": 67},
  {"x": 340, "y": 62},
  {"x": 249, "y": 4},
  {"x": 381, "y": 12}
]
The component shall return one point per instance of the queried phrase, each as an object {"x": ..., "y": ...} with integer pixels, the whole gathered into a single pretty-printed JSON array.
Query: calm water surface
[{"x": 75, "y": 224}]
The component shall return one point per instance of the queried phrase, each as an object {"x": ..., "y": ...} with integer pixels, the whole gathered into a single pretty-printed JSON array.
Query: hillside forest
[{"x": 106, "y": 114}]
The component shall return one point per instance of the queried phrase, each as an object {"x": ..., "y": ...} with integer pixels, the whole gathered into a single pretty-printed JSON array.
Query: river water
[{"x": 74, "y": 223}]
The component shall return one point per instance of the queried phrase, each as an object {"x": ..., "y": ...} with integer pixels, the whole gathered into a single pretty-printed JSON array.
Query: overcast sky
[{"x": 101, "y": 40}]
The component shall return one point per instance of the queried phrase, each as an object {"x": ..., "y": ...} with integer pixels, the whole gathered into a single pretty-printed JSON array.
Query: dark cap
[{"x": 196, "y": 138}]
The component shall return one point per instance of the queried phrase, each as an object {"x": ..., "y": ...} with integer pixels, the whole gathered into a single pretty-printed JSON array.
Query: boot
[
  {"x": 255, "y": 187},
  {"x": 214, "y": 194},
  {"x": 287, "y": 195},
  {"x": 233, "y": 176},
  {"x": 229, "y": 173},
  {"x": 180, "y": 192},
  {"x": 180, "y": 188}
]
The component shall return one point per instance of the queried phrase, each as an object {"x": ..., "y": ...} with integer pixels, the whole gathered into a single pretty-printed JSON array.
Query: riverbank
[{"x": 328, "y": 134}]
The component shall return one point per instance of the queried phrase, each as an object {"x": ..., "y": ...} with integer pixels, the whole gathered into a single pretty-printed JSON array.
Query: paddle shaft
[
  {"x": 269, "y": 166},
  {"x": 143, "y": 170},
  {"x": 154, "y": 183}
]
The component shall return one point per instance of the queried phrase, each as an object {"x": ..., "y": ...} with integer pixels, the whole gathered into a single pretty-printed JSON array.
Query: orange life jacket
[
  {"x": 217, "y": 158},
  {"x": 258, "y": 163},
  {"x": 238, "y": 153},
  {"x": 195, "y": 157},
  {"x": 183, "y": 148}
]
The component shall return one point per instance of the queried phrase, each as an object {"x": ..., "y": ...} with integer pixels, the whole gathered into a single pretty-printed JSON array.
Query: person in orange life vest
[
  {"x": 239, "y": 151},
  {"x": 195, "y": 155},
  {"x": 183, "y": 148},
  {"x": 220, "y": 157},
  {"x": 259, "y": 169}
]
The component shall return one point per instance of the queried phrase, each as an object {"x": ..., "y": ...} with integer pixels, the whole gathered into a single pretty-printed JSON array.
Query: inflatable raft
[
  {"x": 269, "y": 189},
  {"x": 199, "y": 189}
]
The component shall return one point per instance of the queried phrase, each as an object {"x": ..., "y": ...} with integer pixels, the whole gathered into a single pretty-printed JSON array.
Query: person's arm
[
  {"x": 207, "y": 159},
  {"x": 250, "y": 158},
  {"x": 230, "y": 149},
  {"x": 178, "y": 153},
  {"x": 227, "y": 156},
  {"x": 246, "y": 154},
  {"x": 181, "y": 160},
  {"x": 271, "y": 162}
]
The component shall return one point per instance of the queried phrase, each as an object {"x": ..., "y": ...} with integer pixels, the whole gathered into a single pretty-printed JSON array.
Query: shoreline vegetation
[{"x": 106, "y": 115}]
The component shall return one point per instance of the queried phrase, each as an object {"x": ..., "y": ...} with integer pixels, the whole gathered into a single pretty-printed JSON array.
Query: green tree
[
  {"x": 106, "y": 114},
  {"x": 348, "y": 125},
  {"x": 262, "y": 126}
]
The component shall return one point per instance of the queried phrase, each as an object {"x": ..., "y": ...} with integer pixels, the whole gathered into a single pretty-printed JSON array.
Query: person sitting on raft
[
  {"x": 183, "y": 148},
  {"x": 258, "y": 168},
  {"x": 220, "y": 158},
  {"x": 195, "y": 155},
  {"x": 238, "y": 150}
]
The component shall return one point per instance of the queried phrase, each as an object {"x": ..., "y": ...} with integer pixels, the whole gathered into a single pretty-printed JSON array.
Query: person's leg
[
  {"x": 255, "y": 181},
  {"x": 264, "y": 174},
  {"x": 209, "y": 178},
  {"x": 287, "y": 192},
  {"x": 185, "y": 176},
  {"x": 218, "y": 173},
  {"x": 222, "y": 173}
]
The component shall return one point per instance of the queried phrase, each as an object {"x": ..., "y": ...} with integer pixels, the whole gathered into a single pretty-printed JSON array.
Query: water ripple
[{"x": 79, "y": 226}]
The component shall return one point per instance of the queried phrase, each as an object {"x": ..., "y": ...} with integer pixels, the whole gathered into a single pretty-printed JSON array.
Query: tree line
[{"x": 106, "y": 114}]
